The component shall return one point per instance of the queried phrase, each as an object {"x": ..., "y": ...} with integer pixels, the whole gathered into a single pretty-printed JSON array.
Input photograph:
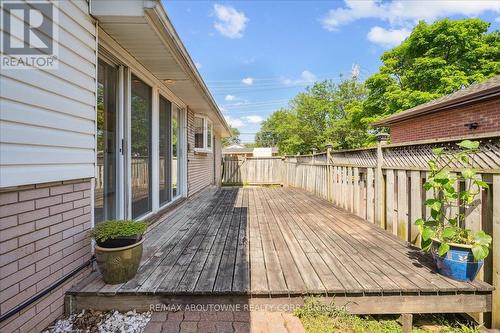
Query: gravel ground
[{"x": 101, "y": 322}]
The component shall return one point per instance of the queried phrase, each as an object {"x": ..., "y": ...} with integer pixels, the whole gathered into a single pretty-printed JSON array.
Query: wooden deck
[{"x": 282, "y": 242}]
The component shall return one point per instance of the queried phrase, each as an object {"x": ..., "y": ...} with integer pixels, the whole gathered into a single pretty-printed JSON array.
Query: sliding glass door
[
  {"x": 107, "y": 118},
  {"x": 165, "y": 151},
  {"x": 140, "y": 143},
  {"x": 176, "y": 134}
]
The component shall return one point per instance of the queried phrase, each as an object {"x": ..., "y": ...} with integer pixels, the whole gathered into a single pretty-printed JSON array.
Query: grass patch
[{"x": 327, "y": 318}]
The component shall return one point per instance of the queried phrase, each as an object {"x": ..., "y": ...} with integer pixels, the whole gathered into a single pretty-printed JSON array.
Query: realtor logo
[{"x": 29, "y": 34}]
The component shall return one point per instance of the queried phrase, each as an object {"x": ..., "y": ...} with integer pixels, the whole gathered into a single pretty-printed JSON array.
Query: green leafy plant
[
  {"x": 449, "y": 206},
  {"x": 117, "y": 228}
]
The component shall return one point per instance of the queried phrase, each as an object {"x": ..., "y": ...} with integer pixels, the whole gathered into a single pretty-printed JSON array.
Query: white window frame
[{"x": 206, "y": 123}]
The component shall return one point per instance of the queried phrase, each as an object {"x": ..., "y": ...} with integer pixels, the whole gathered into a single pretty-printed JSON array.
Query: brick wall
[
  {"x": 449, "y": 123},
  {"x": 43, "y": 237}
]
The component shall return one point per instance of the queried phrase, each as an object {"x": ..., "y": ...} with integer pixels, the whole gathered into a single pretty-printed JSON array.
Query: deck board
[{"x": 275, "y": 242}]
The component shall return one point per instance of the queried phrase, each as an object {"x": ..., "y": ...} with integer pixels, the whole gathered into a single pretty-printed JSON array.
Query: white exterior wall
[
  {"x": 200, "y": 165},
  {"x": 47, "y": 117}
]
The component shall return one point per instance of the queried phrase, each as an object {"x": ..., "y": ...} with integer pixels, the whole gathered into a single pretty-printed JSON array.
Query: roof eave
[
  {"x": 462, "y": 101},
  {"x": 170, "y": 32}
]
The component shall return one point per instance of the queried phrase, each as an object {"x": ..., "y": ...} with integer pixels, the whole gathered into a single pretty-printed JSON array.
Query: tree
[
  {"x": 435, "y": 60},
  {"x": 233, "y": 139},
  {"x": 323, "y": 113}
]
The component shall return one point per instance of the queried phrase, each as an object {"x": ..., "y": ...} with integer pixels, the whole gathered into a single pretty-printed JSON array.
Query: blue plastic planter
[{"x": 458, "y": 263}]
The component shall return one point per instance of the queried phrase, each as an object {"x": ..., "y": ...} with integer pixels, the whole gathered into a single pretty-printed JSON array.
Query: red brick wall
[
  {"x": 43, "y": 237},
  {"x": 449, "y": 123}
]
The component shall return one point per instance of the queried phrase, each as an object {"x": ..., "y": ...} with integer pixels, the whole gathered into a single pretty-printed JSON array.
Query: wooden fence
[
  {"x": 384, "y": 186},
  {"x": 252, "y": 170},
  {"x": 139, "y": 172}
]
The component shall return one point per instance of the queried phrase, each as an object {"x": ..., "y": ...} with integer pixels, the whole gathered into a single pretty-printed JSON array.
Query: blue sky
[{"x": 256, "y": 55}]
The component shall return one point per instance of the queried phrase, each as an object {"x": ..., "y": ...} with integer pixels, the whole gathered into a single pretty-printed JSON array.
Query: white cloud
[
  {"x": 248, "y": 81},
  {"x": 306, "y": 77},
  {"x": 402, "y": 12},
  {"x": 254, "y": 119},
  {"x": 387, "y": 37},
  {"x": 230, "y": 23},
  {"x": 198, "y": 65},
  {"x": 234, "y": 122},
  {"x": 248, "y": 61},
  {"x": 230, "y": 98}
]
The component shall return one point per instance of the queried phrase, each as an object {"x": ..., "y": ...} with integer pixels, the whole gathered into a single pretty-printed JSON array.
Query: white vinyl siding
[
  {"x": 47, "y": 117},
  {"x": 200, "y": 164}
]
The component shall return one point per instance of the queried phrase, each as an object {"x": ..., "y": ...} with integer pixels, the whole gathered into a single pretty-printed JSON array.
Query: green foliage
[
  {"x": 117, "y": 228},
  {"x": 443, "y": 224},
  {"x": 233, "y": 139},
  {"x": 435, "y": 60},
  {"x": 325, "y": 112},
  {"x": 328, "y": 318}
]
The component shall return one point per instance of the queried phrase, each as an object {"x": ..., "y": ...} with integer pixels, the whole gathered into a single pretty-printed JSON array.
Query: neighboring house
[
  {"x": 242, "y": 151},
  {"x": 468, "y": 112},
  {"x": 123, "y": 128}
]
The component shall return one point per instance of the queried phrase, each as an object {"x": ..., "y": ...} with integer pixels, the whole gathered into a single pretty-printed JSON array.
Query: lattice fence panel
[
  {"x": 418, "y": 156},
  {"x": 361, "y": 158}
]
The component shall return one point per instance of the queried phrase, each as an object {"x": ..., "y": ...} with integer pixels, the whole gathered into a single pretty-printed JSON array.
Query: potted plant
[
  {"x": 457, "y": 251},
  {"x": 118, "y": 249}
]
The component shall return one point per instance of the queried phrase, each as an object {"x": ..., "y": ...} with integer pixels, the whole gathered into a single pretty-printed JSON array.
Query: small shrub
[{"x": 117, "y": 228}]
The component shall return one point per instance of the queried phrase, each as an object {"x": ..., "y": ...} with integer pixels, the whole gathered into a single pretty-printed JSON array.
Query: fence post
[
  {"x": 379, "y": 182},
  {"x": 329, "y": 147},
  {"x": 495, "y": 322}
]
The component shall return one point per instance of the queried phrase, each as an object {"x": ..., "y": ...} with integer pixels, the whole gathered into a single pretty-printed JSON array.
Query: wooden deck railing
[{"x": 384, "y": 186}]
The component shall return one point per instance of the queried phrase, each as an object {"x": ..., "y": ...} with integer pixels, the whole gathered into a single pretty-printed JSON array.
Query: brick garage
[
  {"x": 43, "y": 238},
  {"x": 468, "y": 112},
  {"x": 449, "y": 123}
]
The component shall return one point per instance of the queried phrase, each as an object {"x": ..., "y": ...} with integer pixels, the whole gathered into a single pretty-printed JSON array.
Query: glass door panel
[
  {"x": 175, "y": 151},
  {"x": 140, "y": 147},
  {"x": 165, "y": 151},
  {"x": 107, "y": 115}
]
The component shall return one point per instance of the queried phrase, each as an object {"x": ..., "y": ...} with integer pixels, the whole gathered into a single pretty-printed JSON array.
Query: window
[
  {"x": 107, "y": 116},
  {"x": 176, "y": 166},
  {"x": 199, "y": 139},
  {"x": 203, "y": 130},
  {"x": 141, "y": 147},
  {"x": 164, "y": 150},
  {"x": 209, "y": 135}
]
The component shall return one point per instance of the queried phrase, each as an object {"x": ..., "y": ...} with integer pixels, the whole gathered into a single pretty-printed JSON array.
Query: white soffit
[{"x": 143, "y": 29}]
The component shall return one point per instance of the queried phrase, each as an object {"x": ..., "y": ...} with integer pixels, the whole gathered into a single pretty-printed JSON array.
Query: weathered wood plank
[
  {"x": 357, "y": 197},
  {"x": 415, "y": 205},
  {"x": 403, "y": 232},
  {"x": 280, "y": 242},
  {"x": 258, "y": 275},
  {"x": 225, "y": 272},
  {"x": 278, "y": 266},
  {"x": 292, "y": 214},
  {"x": 388, "y": 304},
  {"x": 419, "y": 264},
  {"x": 185, "y": 272},
  {"x": 495, "y": 251},
  {"x": 370, "y": 196},
  {"x": 207, "y": 277},
  {"x": 241, "y": 281},
  {"x": 186, "y": 239},
  {"x": 391, "y": 225},
  {"x": 312, "y": 283}
]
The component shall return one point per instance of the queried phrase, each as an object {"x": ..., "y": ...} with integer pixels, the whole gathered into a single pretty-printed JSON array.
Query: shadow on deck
[{"x": 271, "y": 246}]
